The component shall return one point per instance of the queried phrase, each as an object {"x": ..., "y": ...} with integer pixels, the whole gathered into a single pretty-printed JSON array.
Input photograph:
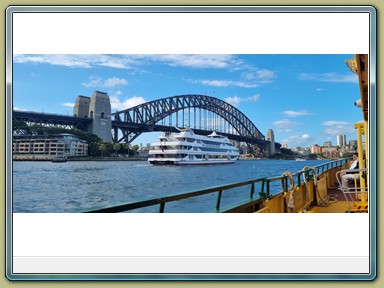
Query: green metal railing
[{"x": 263, "y": 193}]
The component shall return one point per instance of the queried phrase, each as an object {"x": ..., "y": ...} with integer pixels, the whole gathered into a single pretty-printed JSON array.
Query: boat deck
[{"x": 341, "y": 205}]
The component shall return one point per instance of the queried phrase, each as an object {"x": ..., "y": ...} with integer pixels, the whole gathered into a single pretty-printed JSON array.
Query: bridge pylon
[{"x": 97, "y": 108}]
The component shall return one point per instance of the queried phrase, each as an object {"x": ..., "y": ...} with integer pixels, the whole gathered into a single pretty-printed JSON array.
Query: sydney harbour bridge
[{"x": 201, "y": 113}]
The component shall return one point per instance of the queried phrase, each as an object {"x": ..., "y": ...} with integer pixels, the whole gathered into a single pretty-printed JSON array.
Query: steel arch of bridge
[{"x": 146, "y": 116}]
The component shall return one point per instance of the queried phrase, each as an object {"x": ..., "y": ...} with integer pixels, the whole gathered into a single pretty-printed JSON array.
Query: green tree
[
  {"x": 312, "y": 156},
  {"x": 102, "y": 148},
  {"x": 116, "y": 147},
  {"x": 93, "y": 149},
  {"x": 135, "y": 148},
  {"x": 110, "y": 148}
]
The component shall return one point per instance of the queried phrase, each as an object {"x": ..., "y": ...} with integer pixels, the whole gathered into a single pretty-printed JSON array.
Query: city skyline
[{"x": 304, "y": 99}]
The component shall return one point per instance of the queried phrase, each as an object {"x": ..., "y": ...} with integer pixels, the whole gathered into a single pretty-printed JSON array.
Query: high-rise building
[
  {"x": 352, "y": 144},
  {"x": 341, "y": 140}
]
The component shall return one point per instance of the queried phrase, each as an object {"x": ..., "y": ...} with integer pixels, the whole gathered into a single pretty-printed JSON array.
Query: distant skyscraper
[
  {"x": 353, "y": 144},
  {"x": 341, "y": 140}
]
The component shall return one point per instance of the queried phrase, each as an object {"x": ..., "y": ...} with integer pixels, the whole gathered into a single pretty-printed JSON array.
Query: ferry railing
[
  {"x": 167, "y": 199},
  {"x": 263, "y": 194}
]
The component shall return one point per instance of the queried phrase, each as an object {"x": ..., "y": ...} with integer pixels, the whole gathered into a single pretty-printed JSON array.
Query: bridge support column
[
  {"x": 100, "y": 112},
  {"x": 271, "y": 138}
]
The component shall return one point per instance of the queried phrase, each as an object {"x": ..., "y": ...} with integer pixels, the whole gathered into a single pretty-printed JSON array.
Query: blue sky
[{"x": 305, "y": 99}]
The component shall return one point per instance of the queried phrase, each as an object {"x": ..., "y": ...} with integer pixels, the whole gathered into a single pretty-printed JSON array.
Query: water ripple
[{"x": 81, "y": 186}]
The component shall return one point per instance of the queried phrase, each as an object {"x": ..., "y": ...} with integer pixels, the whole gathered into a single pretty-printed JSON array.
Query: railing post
[
  {"x": 218, "y": 199},
  {"x": 252, "y": 189},
  {"x": 268, "y": 188},
  {"x": 162, "y": 206},
  {"x": 299, "y": 180}
]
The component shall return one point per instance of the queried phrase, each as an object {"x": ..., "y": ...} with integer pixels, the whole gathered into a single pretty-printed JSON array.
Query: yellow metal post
[
  {"x": 360, "y": 129},
  {"x": 366, "y": 144}
]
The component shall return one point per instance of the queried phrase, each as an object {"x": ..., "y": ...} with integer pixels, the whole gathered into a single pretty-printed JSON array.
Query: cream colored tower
[
  {"x": 271, "y": 138},
  {"x": 100, "y": 112},
  {"x": 81, "y": 108}
]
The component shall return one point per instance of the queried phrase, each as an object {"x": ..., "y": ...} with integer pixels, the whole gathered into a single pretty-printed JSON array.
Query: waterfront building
[
  {"x": 330, "y": 152},
  {"x": 61, "y": 144},
  {"x": 352, "y": 144},
  {"x": 341, "y": 140},
  {"x": 327, "y": 144},
  {"x": 316, "y": 149}
]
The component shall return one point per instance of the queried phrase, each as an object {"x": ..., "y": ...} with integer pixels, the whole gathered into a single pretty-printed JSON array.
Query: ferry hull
[{"x": 166, "y": 162}]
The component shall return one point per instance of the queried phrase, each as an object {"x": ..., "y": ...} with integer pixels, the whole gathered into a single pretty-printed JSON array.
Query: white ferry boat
[{"x": 186, "y": 147}]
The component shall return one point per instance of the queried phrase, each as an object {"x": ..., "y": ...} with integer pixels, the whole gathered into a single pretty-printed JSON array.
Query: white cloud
[
  {"x": 338, "y": 128},
  {"x": 195, "y": 60},
  {"x": 236, "y": 100},
  {"x": 71, "y": 105},
  {"x": 77, "y": 61},
  {"x": 319, "y": 89},
  {"x": 254, "y": 98},
  {"x": 128, "y": 61},
  {"x": 285, "y": 125},
  {"x": 98, "y": 82},
  {"x": 260, "y": 75},
  {"x": 291, "y": 113},
  {"x": 252, "y": 79},
  {"x": 299, "y": 140},
  {"x": 224, "y": 83},
  {"x": 112, "y": 82},
  {"x": 329, "y": 77},
  {"x": 216, "y": 83},
  {"x": 336, "y": 123},
  {"x": 119, "y": 105},
  {"x": 60, "y": 60}
]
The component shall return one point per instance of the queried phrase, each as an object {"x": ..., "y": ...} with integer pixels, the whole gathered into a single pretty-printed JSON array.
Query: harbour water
[{"x": 73, "y": 187}]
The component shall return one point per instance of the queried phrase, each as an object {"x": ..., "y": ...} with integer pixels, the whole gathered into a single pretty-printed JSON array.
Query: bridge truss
[
  {"x": 51, "y": 120},
  {"x": 199, "y": 112},
  {"x": 202, "y": 113}
]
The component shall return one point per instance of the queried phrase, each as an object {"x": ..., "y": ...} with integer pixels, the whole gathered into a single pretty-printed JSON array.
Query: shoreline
[
  {"x": 49, "y": 158},
  {"x": 76, "y": 159}
]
